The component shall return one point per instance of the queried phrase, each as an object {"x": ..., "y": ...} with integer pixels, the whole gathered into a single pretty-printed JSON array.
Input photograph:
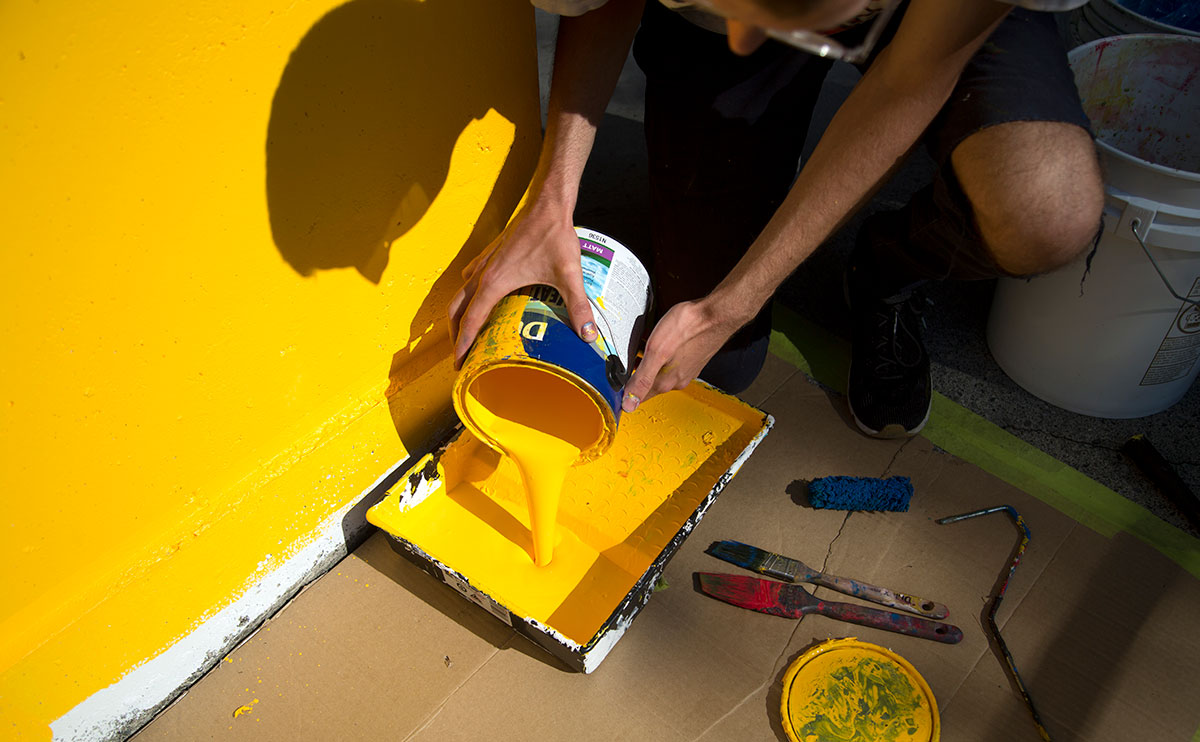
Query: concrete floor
[{"x": 613, "y": 200}]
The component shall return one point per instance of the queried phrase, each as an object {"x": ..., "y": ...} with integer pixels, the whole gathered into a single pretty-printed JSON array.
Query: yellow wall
[{"x": 229, "y": 232}]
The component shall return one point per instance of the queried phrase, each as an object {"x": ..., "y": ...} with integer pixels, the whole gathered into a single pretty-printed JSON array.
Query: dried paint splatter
[
  {"x": 868, "y": 699},
  {"x": 244, "y": 709}
]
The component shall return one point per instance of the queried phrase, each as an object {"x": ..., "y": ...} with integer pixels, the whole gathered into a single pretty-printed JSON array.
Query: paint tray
[{"x": 460, "y": 514}]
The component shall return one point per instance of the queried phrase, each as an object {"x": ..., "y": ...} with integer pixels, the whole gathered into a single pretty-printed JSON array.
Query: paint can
[
  {"x": 528, "y": 344},
  {"x": 848, "y": 689}
]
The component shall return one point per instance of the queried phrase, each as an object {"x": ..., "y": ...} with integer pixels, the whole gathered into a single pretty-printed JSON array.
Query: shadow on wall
[
  {"x": 363, "y": 124},
  {"x": 364, "y": 121}
]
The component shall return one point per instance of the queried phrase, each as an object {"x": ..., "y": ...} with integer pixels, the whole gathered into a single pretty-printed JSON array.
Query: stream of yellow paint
[{"x": 541, "y": 422}]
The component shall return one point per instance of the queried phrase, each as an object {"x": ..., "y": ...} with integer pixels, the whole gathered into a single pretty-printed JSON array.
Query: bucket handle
[
  {"x": 1169, "y": 226},
  {"x": 1133, "y": 227}
]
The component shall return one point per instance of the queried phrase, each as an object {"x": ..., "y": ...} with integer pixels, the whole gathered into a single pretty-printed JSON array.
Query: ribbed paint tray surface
[{"x": 460, "y": 514}]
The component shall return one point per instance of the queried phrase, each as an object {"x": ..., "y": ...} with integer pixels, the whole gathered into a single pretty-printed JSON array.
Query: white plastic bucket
[{"x": 1108, "y": 339}]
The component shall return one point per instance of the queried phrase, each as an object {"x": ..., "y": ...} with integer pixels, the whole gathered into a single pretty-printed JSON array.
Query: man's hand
[
  {"x": 533, "y": 249},
  {"x": 539, "y": 245},
  {"x": 682, "y": 342}
]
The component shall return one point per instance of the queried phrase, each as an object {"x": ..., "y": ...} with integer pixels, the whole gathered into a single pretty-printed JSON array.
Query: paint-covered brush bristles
[
  {"x": 860, "y": 493},
  {"x": 758, "y": 560}
]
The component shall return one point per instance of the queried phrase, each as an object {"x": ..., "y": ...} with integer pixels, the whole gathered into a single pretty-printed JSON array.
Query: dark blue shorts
[{"x": 1020, "y": 74}]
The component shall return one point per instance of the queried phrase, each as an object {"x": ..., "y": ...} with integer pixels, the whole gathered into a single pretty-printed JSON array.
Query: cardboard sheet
[{"x": 1102, "y": 629}]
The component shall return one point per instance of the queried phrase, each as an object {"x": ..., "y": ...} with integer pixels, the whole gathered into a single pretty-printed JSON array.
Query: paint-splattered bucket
[
  {"x": 529, "y": 333},
  {"x": 1116, "y": 334}
]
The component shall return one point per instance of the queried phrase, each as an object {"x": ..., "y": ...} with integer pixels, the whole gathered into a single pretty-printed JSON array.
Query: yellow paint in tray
[{"x": 465, "y": 508}]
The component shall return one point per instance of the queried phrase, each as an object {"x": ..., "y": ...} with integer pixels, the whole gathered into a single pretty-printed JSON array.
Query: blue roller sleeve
[{"x": 860, "y": 493}]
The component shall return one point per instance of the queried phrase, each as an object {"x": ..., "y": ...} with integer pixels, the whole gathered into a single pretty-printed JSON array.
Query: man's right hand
[{"x": 533, "y": 249}]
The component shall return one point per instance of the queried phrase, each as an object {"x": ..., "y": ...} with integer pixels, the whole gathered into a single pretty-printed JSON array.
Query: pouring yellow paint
[
  {"x": 542, "y": 422},
  {"x": 531, "y": 389}
]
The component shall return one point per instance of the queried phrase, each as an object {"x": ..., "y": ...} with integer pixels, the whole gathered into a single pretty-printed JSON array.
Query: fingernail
[
  {"x": 589, "y": 331},
  {"x": 631, "y": 402}
]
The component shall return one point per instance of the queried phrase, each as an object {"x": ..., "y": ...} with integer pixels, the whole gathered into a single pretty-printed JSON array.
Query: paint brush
[
  {"x": 793, "y": 570},
  {"x": 793, "y": 601}
]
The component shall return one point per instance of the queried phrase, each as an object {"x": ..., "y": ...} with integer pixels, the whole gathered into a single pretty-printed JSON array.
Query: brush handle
[
  {"x": 897, "y": 622},
  {"x": 882, "y": 596}
]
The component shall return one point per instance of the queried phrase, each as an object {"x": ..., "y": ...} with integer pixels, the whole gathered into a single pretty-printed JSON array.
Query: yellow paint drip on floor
[{"x": 616, "y": 514}]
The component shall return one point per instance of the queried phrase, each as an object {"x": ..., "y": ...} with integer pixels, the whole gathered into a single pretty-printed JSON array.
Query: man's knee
[
  {"x": 1050, "y": 232},
  {"x": 1036, "y": 192}
]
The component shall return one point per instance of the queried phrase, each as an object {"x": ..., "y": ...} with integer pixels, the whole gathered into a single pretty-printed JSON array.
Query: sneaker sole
[{"x": 889, "y": 432}]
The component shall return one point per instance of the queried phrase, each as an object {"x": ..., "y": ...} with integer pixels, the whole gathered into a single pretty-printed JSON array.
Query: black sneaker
[{"x": 889, "y": 387}]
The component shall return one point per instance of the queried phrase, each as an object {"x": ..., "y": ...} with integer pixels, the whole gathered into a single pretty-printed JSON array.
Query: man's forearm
[
  {"x": 589, "y": 55},
  {"x": 866, "y": 140},
  {"x": 872, "y": 132}
]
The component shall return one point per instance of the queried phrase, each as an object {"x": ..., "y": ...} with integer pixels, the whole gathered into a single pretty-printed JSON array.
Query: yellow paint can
[
  {"x": 528, "y": 363},
  {"x": 845, "y": 689}
]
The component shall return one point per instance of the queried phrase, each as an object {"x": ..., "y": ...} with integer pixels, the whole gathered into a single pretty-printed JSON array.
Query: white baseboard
[{"x": 120, "y": 710}]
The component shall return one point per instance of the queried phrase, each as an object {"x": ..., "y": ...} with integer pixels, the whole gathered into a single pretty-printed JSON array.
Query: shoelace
[{"x": 895, "y": 339}]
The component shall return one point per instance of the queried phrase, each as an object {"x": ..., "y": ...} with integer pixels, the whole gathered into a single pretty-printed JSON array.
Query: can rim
[
  {"x": 608, "y": 417},
  {"x": 802, "y": 663}
]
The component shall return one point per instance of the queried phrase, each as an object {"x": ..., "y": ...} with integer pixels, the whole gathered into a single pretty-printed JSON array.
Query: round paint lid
[{"x": 844, "y": 689}]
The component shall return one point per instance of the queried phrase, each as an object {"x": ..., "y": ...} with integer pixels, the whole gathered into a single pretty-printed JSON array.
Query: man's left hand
[{"x": 682, "y": 342}]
